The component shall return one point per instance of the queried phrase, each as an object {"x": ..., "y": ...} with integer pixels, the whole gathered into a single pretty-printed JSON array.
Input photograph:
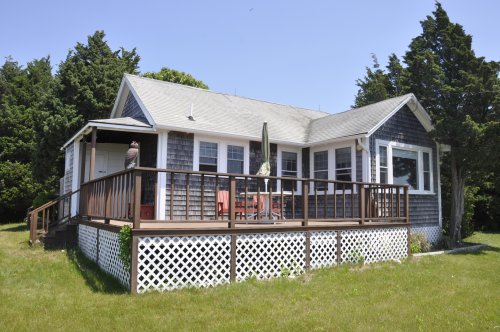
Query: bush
[{"x": 419, "y": 243}]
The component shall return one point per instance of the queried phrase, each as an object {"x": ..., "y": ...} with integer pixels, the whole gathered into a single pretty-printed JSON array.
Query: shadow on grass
[
  {"x": 97, "y": 280},
  {"x": 15, "y": 228}
]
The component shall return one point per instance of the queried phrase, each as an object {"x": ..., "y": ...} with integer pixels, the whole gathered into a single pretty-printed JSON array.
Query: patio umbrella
[{"x": 265, "y": 168}]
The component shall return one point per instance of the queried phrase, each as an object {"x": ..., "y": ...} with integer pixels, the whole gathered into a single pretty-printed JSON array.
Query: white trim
[
  {"x": 75, "y": 179},
  {"x": 221, "y": 152},
  {"x": 161, "y": 162},
  {"x": 420, "y": 167},
  {"x": 294, "y": 149},
  {"x": 139, "y": 101},
  {"x": 120, "y": 98},
  {"x": 113, "y": 127},
  {"x": 388, "y": 116},
  {"x": 417, "y": 109},
  {"x": 438, "y": 167},
  {"x": 332, "y": 163}
]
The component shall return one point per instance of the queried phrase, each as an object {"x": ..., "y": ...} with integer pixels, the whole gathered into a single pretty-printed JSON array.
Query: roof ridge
[{"x": 226, "y": 94}]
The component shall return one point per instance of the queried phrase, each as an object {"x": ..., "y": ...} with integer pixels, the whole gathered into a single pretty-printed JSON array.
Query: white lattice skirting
[
  {"x": 102, "y": 247},
  {"x": 166, "y": 263},
  {"x": 432, "y": 233}
]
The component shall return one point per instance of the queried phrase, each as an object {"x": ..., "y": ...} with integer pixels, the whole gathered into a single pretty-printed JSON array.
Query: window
[
  {"x": 235, "y": 159},
  {"x": 383, "y": 164},
  {"x": 405, "y": 164},
  {"x": 343, "y": 164},
  {"x": 427, "y": 171},
  {"x": 289, "y": 169},
  {"x": 321, "y": 168},
  {"x": 208, "y": 156},
  {"x": 405, "y": 168},
  {"x": 343, "y": 168}
]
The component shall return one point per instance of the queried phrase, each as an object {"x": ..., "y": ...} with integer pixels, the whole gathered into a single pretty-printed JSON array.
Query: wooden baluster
[
  {"x": 305, "y": 203},
  {"x": 187, "y": 195}
]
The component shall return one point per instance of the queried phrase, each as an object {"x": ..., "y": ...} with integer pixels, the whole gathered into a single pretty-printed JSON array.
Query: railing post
[
  {"x": 305, "y": 202},
  {"x": 107, "y": 206},
  {"x": 407, "y": 204},
  {"x": 137, "y": 200},
  {"x": 232, "y": 197},
  {"x": 362, "y": 206},
  {"x": 33, "y": 226}
]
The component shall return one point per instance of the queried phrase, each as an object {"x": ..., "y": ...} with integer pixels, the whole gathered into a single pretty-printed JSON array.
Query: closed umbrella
[{"x": 265, "y": 168}]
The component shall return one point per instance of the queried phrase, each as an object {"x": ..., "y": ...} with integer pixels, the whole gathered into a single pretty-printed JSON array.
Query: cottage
[{"x": 374, "y": 166}]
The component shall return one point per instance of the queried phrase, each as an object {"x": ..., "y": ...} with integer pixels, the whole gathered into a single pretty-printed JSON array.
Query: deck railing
[
  {"x": 203, "y": 197},
  {"x": 50, "y": 214}
]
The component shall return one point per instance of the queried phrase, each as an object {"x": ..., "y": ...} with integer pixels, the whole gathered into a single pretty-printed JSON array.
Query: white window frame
[
  {"x": 420, "y": 164},
  {"x": 332, "y": 165},
  {"x": 292, "y": 149},
  {"x": 221, "y": 152}
]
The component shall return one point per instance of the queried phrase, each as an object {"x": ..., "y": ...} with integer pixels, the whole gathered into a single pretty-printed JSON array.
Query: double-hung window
[
  {"x": 321, "y": 169},
  {"x": 405, "y": 164},
  {"x": 235, "y": 159},
  {"x": 208, "y": 156},
  {"x": 289, "y": 169},
  {"x": 343, "y": 166}
]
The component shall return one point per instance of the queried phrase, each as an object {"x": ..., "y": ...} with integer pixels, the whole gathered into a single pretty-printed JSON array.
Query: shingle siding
[
  {"x": 133, "y": 110},
  {"x": 404, "y": 127}
]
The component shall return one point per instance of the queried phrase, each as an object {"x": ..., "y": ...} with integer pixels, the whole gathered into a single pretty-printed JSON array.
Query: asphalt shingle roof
[{"x": 170, "y": 104}]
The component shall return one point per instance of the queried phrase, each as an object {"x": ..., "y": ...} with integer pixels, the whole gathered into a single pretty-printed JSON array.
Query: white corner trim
[{"x": 161, "y": 162}]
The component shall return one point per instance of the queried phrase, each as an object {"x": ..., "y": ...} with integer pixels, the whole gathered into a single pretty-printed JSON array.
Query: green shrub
[
  {"x": 125, "y": 239},
  {"x": 419, "y": 243}
]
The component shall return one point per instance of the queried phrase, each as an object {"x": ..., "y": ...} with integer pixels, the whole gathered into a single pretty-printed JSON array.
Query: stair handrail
[{"x": 33, "y": 214}]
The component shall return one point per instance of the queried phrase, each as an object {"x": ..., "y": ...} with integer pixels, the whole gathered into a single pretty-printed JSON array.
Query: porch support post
[
  {"x": 73, "y": 203},
  {"x": 407, "y": 204},
  {"x": 161, "y": 162},
  {"x": 92, "y": 153},
  {"x": 83, "y": 158}
]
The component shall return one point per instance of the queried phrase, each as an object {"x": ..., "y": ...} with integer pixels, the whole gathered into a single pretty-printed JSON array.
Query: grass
[{"x": 57, "y": 291}]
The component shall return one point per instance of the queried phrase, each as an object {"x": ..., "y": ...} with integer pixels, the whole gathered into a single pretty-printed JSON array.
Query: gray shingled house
[
  {"x": 345, "y": 187},
  {"x": 186, "y": 128}
]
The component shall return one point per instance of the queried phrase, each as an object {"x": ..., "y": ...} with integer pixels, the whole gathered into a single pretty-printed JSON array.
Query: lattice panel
[
  {"x": 269, "y": 255},
  {"x": 87, "y": 241},
  {"x": 374, "y": 245},
  {"x": 166, "y": 263},
  {"x": 432, "y": 233},
  {"x": 323, "y": 249},
  {"x": 109, "y": 261}
]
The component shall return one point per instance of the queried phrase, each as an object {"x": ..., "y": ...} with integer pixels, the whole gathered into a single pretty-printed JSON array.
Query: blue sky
[{"x": 301, "y": 53}]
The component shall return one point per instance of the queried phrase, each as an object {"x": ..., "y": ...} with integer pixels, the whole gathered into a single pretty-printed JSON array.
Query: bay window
[{"x": 404, "y": 164}]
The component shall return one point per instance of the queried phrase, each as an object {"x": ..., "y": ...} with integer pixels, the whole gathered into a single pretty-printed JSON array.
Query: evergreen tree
[
  {"x": 458, "y": 90},
  {"x": 91, "y": 75}
]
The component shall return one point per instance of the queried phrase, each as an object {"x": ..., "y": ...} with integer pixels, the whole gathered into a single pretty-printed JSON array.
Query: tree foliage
[
  {"x": 175, "y": 76},
  {"x": 91, "y": 75},
  {"x": 461, "y": 92},
  {"x": 40, "y": 111}
]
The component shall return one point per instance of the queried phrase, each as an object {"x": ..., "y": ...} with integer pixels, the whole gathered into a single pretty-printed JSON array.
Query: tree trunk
[{"x": 457, "y": 201}]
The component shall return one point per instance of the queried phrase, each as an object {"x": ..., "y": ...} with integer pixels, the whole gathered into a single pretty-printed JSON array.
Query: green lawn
[{"x": 53, "y": 290}]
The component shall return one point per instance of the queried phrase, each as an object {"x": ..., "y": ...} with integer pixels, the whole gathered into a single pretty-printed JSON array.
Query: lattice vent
[
  {"x": 109, "y": 261},
  {"x": 87, "y": 241},
  {"x": 433, "y": 233},
  {"x": 323, "y": 249},
  {"x": 166, "y": 263},
  {"x": 269, "y": 255},
  {"x": 373, "y": 245}
]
